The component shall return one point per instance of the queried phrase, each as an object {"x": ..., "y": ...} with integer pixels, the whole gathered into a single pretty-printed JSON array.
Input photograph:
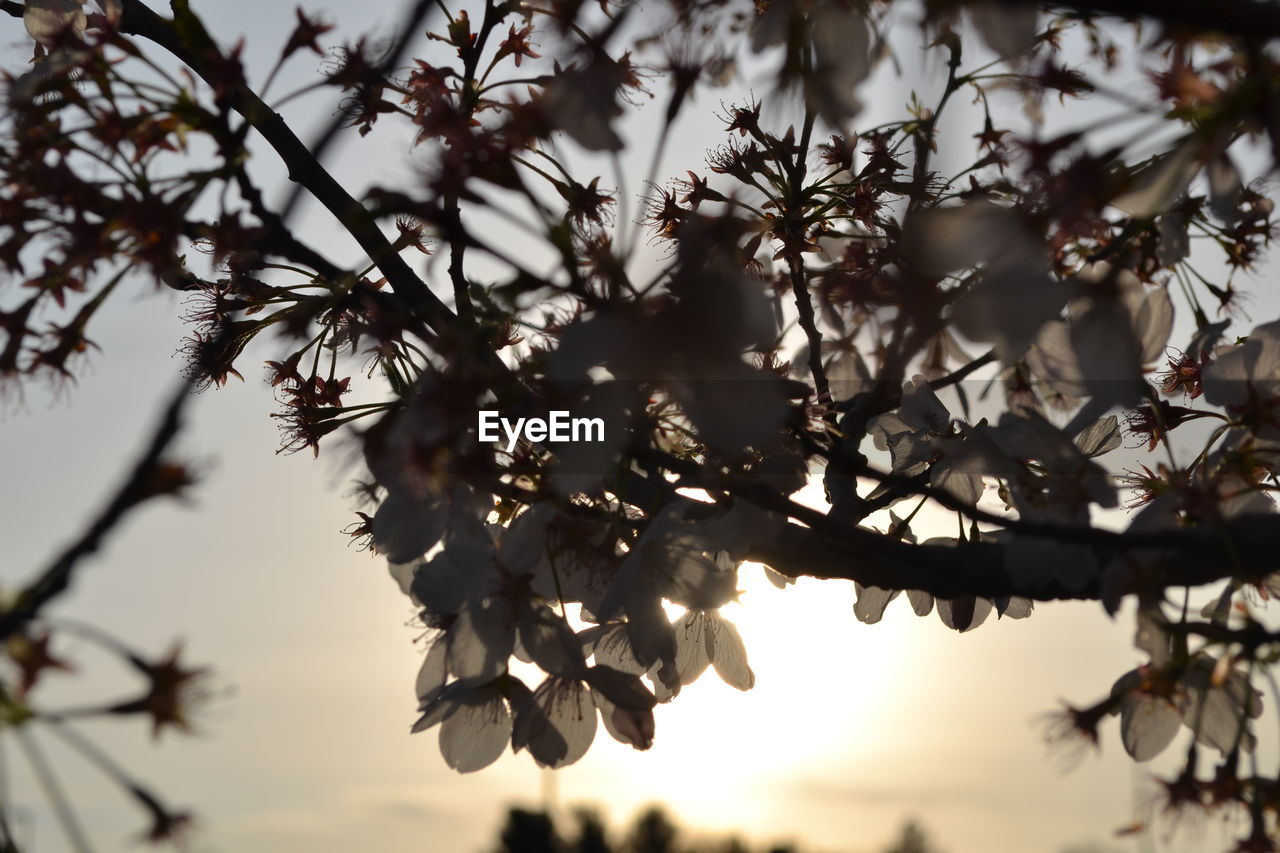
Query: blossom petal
[
  {"x": 778, "y": 579},
  {"x": 524, "y": 543},
  {"x": 558, "y": 725},
  {"x": 611, "y": 647},
  {"x": 729, "y": 655},
  {"x": 475, "y": 735},
  {"x": 1153, "y": 324},
  {"x": 921, "y": 602},
  {"x": 442, "y": 585},
  {"x": 45, "y": 19},
  {"x": 402, "y": 574},
  {"x": 1148, "y": 724},
  {"x": 583, "y": 101},
  {"x": 622, "y": 689},
  {"x": 550, "y": 642},
  {"x": 481, "y": 641},
  {"x": 842, "y": 53},
  {"x": 1224, "y": 188},
  {"x": 962, "y": 486},
  {"x": 690, "y": 577},
  {"x": 404, "y": 527},
  {"x": 1108, "y": 353},
  {"x": 921, "y": 409},
  {"x": 871, "y": 602},
  {"x": 1219, "y": 709},
  {"x": 1008, "y": 29},
  {"x": 1102, "y": 436},
  {"x": 632, "y": 727},
  {"x": 433, "y": 673},
  {"x": 941, "y": 240},
  {"x": 692, "y": 657},
  {"x": 1155, "y": 187},
  {"x": 1227, "y": 379},
  {"x": 1013, "y": 607},
  {"x": 964, "y": 613}
]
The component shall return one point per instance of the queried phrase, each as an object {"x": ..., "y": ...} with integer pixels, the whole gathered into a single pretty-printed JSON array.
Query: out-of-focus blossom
[
  {"x": 45, "y": 20},
  {"x": 918, "y": 436}
]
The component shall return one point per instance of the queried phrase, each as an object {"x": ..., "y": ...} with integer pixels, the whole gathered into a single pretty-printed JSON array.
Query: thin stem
[{"x": 53, "y": 790}]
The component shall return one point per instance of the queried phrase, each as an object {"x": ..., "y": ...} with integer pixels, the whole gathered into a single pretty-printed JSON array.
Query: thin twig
[
  {"x": 53, "y": 790},
  {"x": 408, "y": 30},
  {"x": 138, "y": 487}
]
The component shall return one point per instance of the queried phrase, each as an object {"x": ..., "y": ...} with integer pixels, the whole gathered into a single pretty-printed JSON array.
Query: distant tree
[
  {"x": 529, "y": 832},
  {"x": 913, "y": 839},
  {"x": 730, "y": 845},
  {"x": 591, "y": 834},
  {"x": 652, "y": 832}
]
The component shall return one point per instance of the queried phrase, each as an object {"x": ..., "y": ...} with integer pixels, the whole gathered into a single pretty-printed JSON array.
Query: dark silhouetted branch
[
  {"x": 1243, "y": 549},
  {"x": 407, "y": 31},
  {"x": 1243, "y": 18},
  {"x": 141, "y": 485},
  {"x": 302, "y": 166}
]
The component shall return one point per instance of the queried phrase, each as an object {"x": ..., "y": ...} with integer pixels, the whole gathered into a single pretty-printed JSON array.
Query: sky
[{"x": 305, "y": 744}]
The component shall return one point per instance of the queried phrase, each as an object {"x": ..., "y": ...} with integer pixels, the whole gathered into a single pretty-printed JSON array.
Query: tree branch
[
  {"x": 795, "y": 261},
  {"x": 304, "y": 169},
  {"x": 141, "y": 485},
  {"x": 1125, "y": 562},
  {"x": 408, "y": 30},
  {"x": 452, "y": 206},
  {"x": 1244, "y": 548},
  {"x": 1244, "y": 18},
  {"x": 962, "y": 373}
]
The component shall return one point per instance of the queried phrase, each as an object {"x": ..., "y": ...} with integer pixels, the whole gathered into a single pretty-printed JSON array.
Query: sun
[{"x": 720, "y": 752}]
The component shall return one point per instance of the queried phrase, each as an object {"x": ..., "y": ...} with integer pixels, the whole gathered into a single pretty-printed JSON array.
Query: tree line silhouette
[{"x": 652, "y": 831}]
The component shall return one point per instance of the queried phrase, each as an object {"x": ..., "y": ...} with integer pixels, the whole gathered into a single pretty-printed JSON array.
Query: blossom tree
[{"x": 809, "y": 308}]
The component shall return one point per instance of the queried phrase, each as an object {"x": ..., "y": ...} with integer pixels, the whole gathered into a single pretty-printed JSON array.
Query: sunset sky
[{"x": 305, "y": 746}]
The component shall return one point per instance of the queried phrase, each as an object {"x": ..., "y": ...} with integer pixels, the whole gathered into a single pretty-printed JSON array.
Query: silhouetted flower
[
  {"x": 1151, "y": 423},
  {"x": 1184, "y": 375},
  {"x": 31, "y": 654},
  {"x": 305, "y": 35},
  {"x": 173, "y": 692}
]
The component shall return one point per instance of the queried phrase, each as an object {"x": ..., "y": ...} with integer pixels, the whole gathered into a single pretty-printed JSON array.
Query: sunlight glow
[{"x": 818, "y": 673}]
